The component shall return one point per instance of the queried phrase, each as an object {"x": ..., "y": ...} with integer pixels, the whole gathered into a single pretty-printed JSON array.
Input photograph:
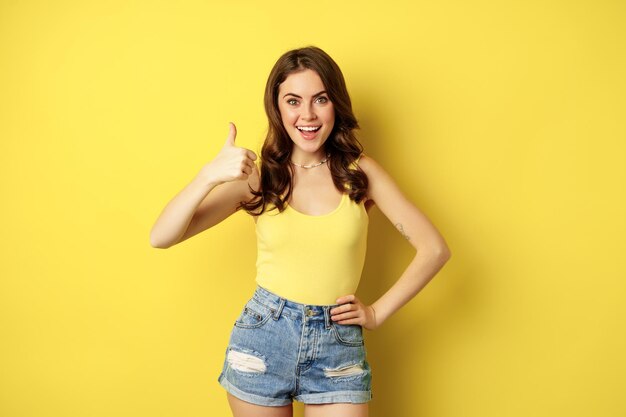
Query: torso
[{"x": 314, "y": 192}]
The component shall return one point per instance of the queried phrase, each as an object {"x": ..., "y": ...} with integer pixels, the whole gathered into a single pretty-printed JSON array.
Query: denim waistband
[{"x": 281, "y": 305}]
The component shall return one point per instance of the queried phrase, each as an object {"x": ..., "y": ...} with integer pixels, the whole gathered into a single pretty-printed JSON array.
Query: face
[{"x": 304, "y": 105}]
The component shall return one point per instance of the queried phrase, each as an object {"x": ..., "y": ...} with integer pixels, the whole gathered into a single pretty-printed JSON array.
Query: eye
[
  {"x": 323, "y": 99},
  {"x": 292, "y": 101}
]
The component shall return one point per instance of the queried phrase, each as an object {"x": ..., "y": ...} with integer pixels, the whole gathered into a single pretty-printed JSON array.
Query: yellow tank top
[{"x": 312, "y": 259}]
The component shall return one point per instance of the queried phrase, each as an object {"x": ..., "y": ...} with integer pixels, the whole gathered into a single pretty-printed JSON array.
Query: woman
[{"x": 299, "y": 337}]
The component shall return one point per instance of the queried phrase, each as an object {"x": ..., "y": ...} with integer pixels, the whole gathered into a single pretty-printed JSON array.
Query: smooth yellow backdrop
[{"x": 502, "y": 120}]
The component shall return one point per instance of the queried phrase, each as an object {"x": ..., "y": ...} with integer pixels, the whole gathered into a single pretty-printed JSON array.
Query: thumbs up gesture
[{"x": 231, "y": 163}]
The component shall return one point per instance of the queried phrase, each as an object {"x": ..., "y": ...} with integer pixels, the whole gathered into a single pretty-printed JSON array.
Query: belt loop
[
  {"x": 279, "y": 309},
  {"x": 327, "y": 316}
]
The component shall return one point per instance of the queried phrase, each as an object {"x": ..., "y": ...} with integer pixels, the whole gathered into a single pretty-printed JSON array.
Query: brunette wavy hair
[{"x": 342, "y": 145}]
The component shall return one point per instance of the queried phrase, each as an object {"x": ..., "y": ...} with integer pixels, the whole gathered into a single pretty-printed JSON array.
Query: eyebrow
[{"x": 295, "y": 95}]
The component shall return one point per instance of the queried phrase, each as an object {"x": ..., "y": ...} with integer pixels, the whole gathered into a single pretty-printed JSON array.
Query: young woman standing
[{"x": 299, "y": 337}]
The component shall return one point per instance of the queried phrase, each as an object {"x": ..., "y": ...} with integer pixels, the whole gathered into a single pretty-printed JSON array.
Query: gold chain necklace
[{"x": 311, "y": 166}]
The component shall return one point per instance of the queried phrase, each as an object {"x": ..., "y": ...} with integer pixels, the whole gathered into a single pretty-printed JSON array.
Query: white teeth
[{"x": 307, "y": 128}]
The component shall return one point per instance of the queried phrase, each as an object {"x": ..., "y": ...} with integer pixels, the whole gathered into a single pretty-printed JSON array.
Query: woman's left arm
[{"x": 431, "y": 252}]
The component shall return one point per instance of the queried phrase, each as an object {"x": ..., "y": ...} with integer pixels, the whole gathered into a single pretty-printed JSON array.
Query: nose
[{"x": 308, "y": 112}]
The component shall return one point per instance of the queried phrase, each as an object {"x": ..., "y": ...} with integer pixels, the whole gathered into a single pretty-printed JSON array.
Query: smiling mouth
[
  {"x": 308, "y": 128},
  {"x": 309, "y": 133}
]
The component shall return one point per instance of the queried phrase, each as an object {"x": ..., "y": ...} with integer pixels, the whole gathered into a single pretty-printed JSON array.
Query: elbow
[
  {"x": 444, "y": 253},
  {"x": 156, "y": 243},
  {"x": 440, "y": 253}
]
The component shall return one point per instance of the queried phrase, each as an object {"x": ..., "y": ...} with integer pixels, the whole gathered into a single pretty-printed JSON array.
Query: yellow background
[{"x": 502, "y": 120}]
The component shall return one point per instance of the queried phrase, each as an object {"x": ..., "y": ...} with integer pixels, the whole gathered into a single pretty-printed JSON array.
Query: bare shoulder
[
  {"x": 410, "y": 221},
  {"x": 374, "y": 172},
  {"x": 381, "y": 185}
]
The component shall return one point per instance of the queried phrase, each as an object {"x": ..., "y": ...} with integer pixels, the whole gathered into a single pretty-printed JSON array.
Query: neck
[{"x": 308, "y": 158}]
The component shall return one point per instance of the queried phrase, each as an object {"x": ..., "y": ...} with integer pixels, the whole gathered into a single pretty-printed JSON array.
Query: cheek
[
  {"x": 330, "y": 113},
  {"x": 330, "y": 116},
  {"x": 287, "y": 116}
]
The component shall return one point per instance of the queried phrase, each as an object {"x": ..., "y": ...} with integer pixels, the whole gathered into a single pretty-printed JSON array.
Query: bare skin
[
  {"x": 242, "y": 408},
  {"x": 214, "y": 194}
]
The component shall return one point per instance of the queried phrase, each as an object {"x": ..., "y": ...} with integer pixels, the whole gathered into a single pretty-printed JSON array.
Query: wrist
[
  {"x": 206, "y": 180},
  {"x": 374, "y": 315}
]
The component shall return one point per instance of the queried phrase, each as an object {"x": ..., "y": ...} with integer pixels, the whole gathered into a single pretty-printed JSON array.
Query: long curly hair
[{"x": 276, "y": 172}]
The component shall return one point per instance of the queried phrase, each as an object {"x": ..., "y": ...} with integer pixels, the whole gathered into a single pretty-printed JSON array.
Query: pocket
[
  {"x": 348, "y": 334},
  {"x": 253, "y": 315}
]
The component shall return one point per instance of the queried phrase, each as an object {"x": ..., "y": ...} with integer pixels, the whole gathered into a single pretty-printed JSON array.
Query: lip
[{"x": 309, "y": 135}]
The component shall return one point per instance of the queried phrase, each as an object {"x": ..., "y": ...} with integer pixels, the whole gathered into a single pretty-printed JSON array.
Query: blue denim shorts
[{"x": 280, "y": 351}]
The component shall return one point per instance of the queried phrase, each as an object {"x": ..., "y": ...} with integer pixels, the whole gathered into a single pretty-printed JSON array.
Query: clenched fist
[{"x": 231, "y": 163}]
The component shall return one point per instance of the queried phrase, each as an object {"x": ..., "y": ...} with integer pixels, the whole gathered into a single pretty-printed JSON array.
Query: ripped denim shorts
[{"x": 280, "y": 351}]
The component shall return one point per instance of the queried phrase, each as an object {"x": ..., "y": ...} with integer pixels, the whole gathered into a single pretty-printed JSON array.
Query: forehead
[{"x": 302, "y": 83}]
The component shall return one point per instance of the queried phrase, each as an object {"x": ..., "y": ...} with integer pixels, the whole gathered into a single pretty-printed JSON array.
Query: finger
[
  {"x": 344, "y": 316},
  {"x": 243, "y": 170},
  {"x": 350, "y": 321},
  {"x": 251, "y": 154},
  {"x": 341, "y": 309},
  {"x": 232, "y": 133},
  {"x": 249, "y": 165},
  {"x": 345, "y": 299}
]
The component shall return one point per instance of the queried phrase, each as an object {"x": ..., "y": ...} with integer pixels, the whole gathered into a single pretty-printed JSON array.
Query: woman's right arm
[{"x": 210, "y": 197}]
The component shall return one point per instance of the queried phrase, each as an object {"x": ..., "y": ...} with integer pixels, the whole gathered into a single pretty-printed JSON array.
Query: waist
[{"x": 295, "y": 310}]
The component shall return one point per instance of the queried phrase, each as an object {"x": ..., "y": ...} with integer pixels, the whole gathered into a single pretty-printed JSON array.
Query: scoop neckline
[{"x": 336, "y": 209}]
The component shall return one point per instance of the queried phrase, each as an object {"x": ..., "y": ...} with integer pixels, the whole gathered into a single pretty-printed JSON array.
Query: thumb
[{"x": 232, "y": 133}]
